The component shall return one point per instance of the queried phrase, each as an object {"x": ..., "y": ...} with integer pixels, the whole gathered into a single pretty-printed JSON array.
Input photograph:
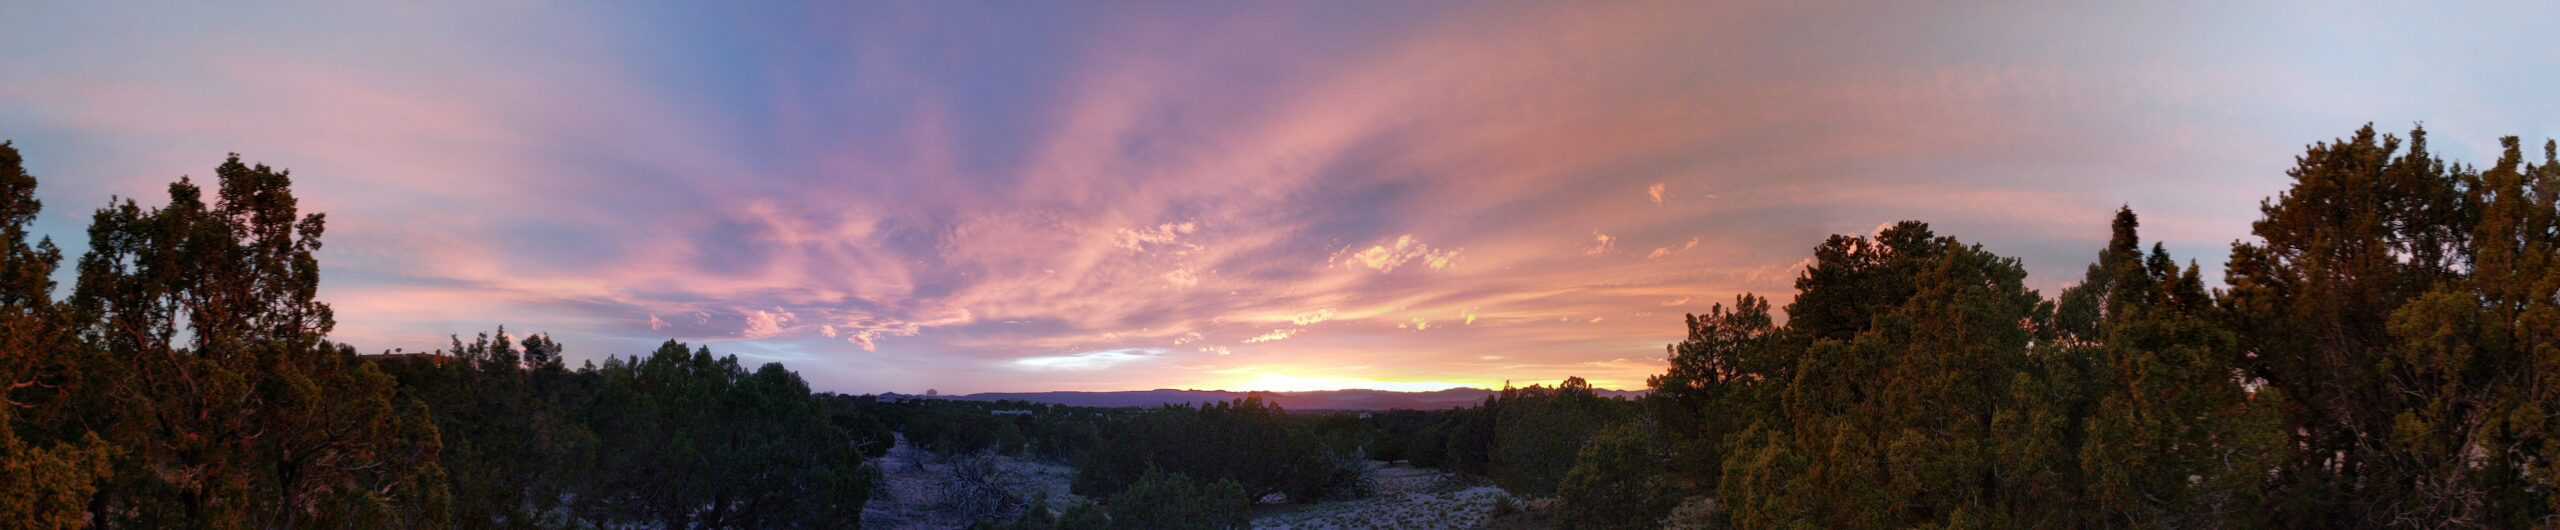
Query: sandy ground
[
  {"x": 1407, "y": 497},
  {"x": 917, "y": 490},
  {"x": 917, "y": 487}
]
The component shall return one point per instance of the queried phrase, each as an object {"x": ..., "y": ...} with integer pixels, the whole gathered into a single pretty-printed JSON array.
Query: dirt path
[
  {"x": 908, "y": 491},
  {"x": 1407, "y": 497},
  {"x": 922, "y": 490}
]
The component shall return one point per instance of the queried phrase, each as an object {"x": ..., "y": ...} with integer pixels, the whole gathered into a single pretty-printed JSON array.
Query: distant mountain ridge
[{"x": 1348, "y": 399}]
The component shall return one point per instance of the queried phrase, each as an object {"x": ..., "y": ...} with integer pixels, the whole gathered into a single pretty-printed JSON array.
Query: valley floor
[
  {"x": 923, "y": 490},
  {"x": 1406, "y": 497}
]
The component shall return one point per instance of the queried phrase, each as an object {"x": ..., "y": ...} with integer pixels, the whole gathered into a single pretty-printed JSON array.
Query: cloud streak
[{"x": 896, "y": 197}]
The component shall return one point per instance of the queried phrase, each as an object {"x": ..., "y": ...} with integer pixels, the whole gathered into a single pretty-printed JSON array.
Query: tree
[
  {"x": 1539, "y": 430},
  {"x": 510, "y": 450},
  {"x": 2471, "y": 358},
  {"x": 689, "y": 440},
  {"x": 1250, "y": 441},
  {"x": 249, "y": 417},
  {"x": 45, "y": 482},
  {"x": 47, "y": 487},
  {"x": 1725, "y": 374},
  {"x": 1855, "y": 278},
  {"x": 188, "y": 382},
  {"x": 2312, "y": 302},
  {"x": 1910, "y": 419},
  {"x": 2174, "y": 437},
  {"x": 2405, "y": 305},
  {"x": 1171, "y": 501},
  {"x": 1621, "y": 479}
]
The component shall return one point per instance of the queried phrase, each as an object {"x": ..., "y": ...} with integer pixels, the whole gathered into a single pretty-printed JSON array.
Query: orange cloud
[{"x": 1600, "y": 244}]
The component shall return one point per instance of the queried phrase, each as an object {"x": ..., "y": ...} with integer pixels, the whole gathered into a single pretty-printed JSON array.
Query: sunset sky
[{"x": 1097, "y": 196}]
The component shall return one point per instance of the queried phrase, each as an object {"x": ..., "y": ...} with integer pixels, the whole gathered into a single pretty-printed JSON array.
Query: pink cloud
[
  {"x": 1386, "y": 257},
  {"x": 1600, "y": 244},
  {"x": 1146, "y": 198}
]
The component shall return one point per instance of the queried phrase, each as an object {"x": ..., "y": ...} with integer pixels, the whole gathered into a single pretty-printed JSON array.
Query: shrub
[
  {"x": 1171, "y": 501},
  {"x": 1618, "y": 481}
]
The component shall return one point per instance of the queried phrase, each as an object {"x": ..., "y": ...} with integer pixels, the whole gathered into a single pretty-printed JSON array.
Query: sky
[{"x": 1016, "y": 196}]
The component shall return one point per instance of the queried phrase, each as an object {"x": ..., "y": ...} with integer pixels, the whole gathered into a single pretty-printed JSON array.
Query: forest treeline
[
  {"x": 1173, "y": 466},
  {"x": 2385, "y": 352},
  {"x": 188, "y": 382}
]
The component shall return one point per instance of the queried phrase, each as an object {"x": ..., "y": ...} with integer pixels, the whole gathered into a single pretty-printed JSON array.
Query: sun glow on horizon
[{"x": 1268, "y": 380}]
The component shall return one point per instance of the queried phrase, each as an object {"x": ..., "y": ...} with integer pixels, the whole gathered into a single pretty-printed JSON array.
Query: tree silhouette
[
  {"x": 229, "y": 406},
  {"x": 46, "y": 479},
  {"x": 2405, "y": 304}
]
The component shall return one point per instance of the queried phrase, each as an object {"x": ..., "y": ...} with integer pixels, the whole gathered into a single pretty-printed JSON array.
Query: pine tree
[
  {"x": 1172, "y": 501},
  {"x": 2471, "y": 358},
  {"x": 1619, "y": 480},
  {"x": 2173, "y": 438},
  {"x": 1905, "y": 421},
  {"x": 1726, "y": 373},
  {"x": 46, "y": 479},
  {"x": 228, "y": 405},
  {"x": 2385, "y": 295}
]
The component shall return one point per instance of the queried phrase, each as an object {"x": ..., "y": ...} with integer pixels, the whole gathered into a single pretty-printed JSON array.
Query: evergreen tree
[
  {"x": 46, "y": 477},
  {"x": 1619, "y": 480},
  {"x": 510, "y": 451},
  {"x": 1251, "y": 441},
  {"x": 2470, "y": 360},
  {"x": 688, "y": 440},
  {"x": 2174, "y": 439},
  {"x": 1855, "y": 278},
  {"x": 1726, "y": 373},
  {"x": 216, "y": 383},
  {"x": 1539, "y": 430},
  {"x": 2394, "y": 298},
  {"x": 1911, "y": 419},
  {"x": 1172, "y": 501}
]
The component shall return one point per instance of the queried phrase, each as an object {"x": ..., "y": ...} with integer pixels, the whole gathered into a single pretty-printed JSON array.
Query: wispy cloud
[
  {"x": 1162, "y": 235},
  {"x": 1600, "y": 244},
  {"x": 762, "y": 323},
  {"x": 1276, "y": 335},
  {"x": 914, "y": 210},
  {"x": 1086, "y": 361},
  {"x": 1311, "y": 318},
  {"x": 1386, "y": 257}
]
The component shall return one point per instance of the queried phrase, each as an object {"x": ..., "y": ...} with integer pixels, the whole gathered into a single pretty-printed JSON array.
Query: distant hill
[{"x": 1309, "y": 400}]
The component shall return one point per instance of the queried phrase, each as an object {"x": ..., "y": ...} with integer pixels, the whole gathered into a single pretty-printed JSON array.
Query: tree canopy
[
  {"x": 188, "y": 382},
  {"x": 2378, "y": 360}
]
